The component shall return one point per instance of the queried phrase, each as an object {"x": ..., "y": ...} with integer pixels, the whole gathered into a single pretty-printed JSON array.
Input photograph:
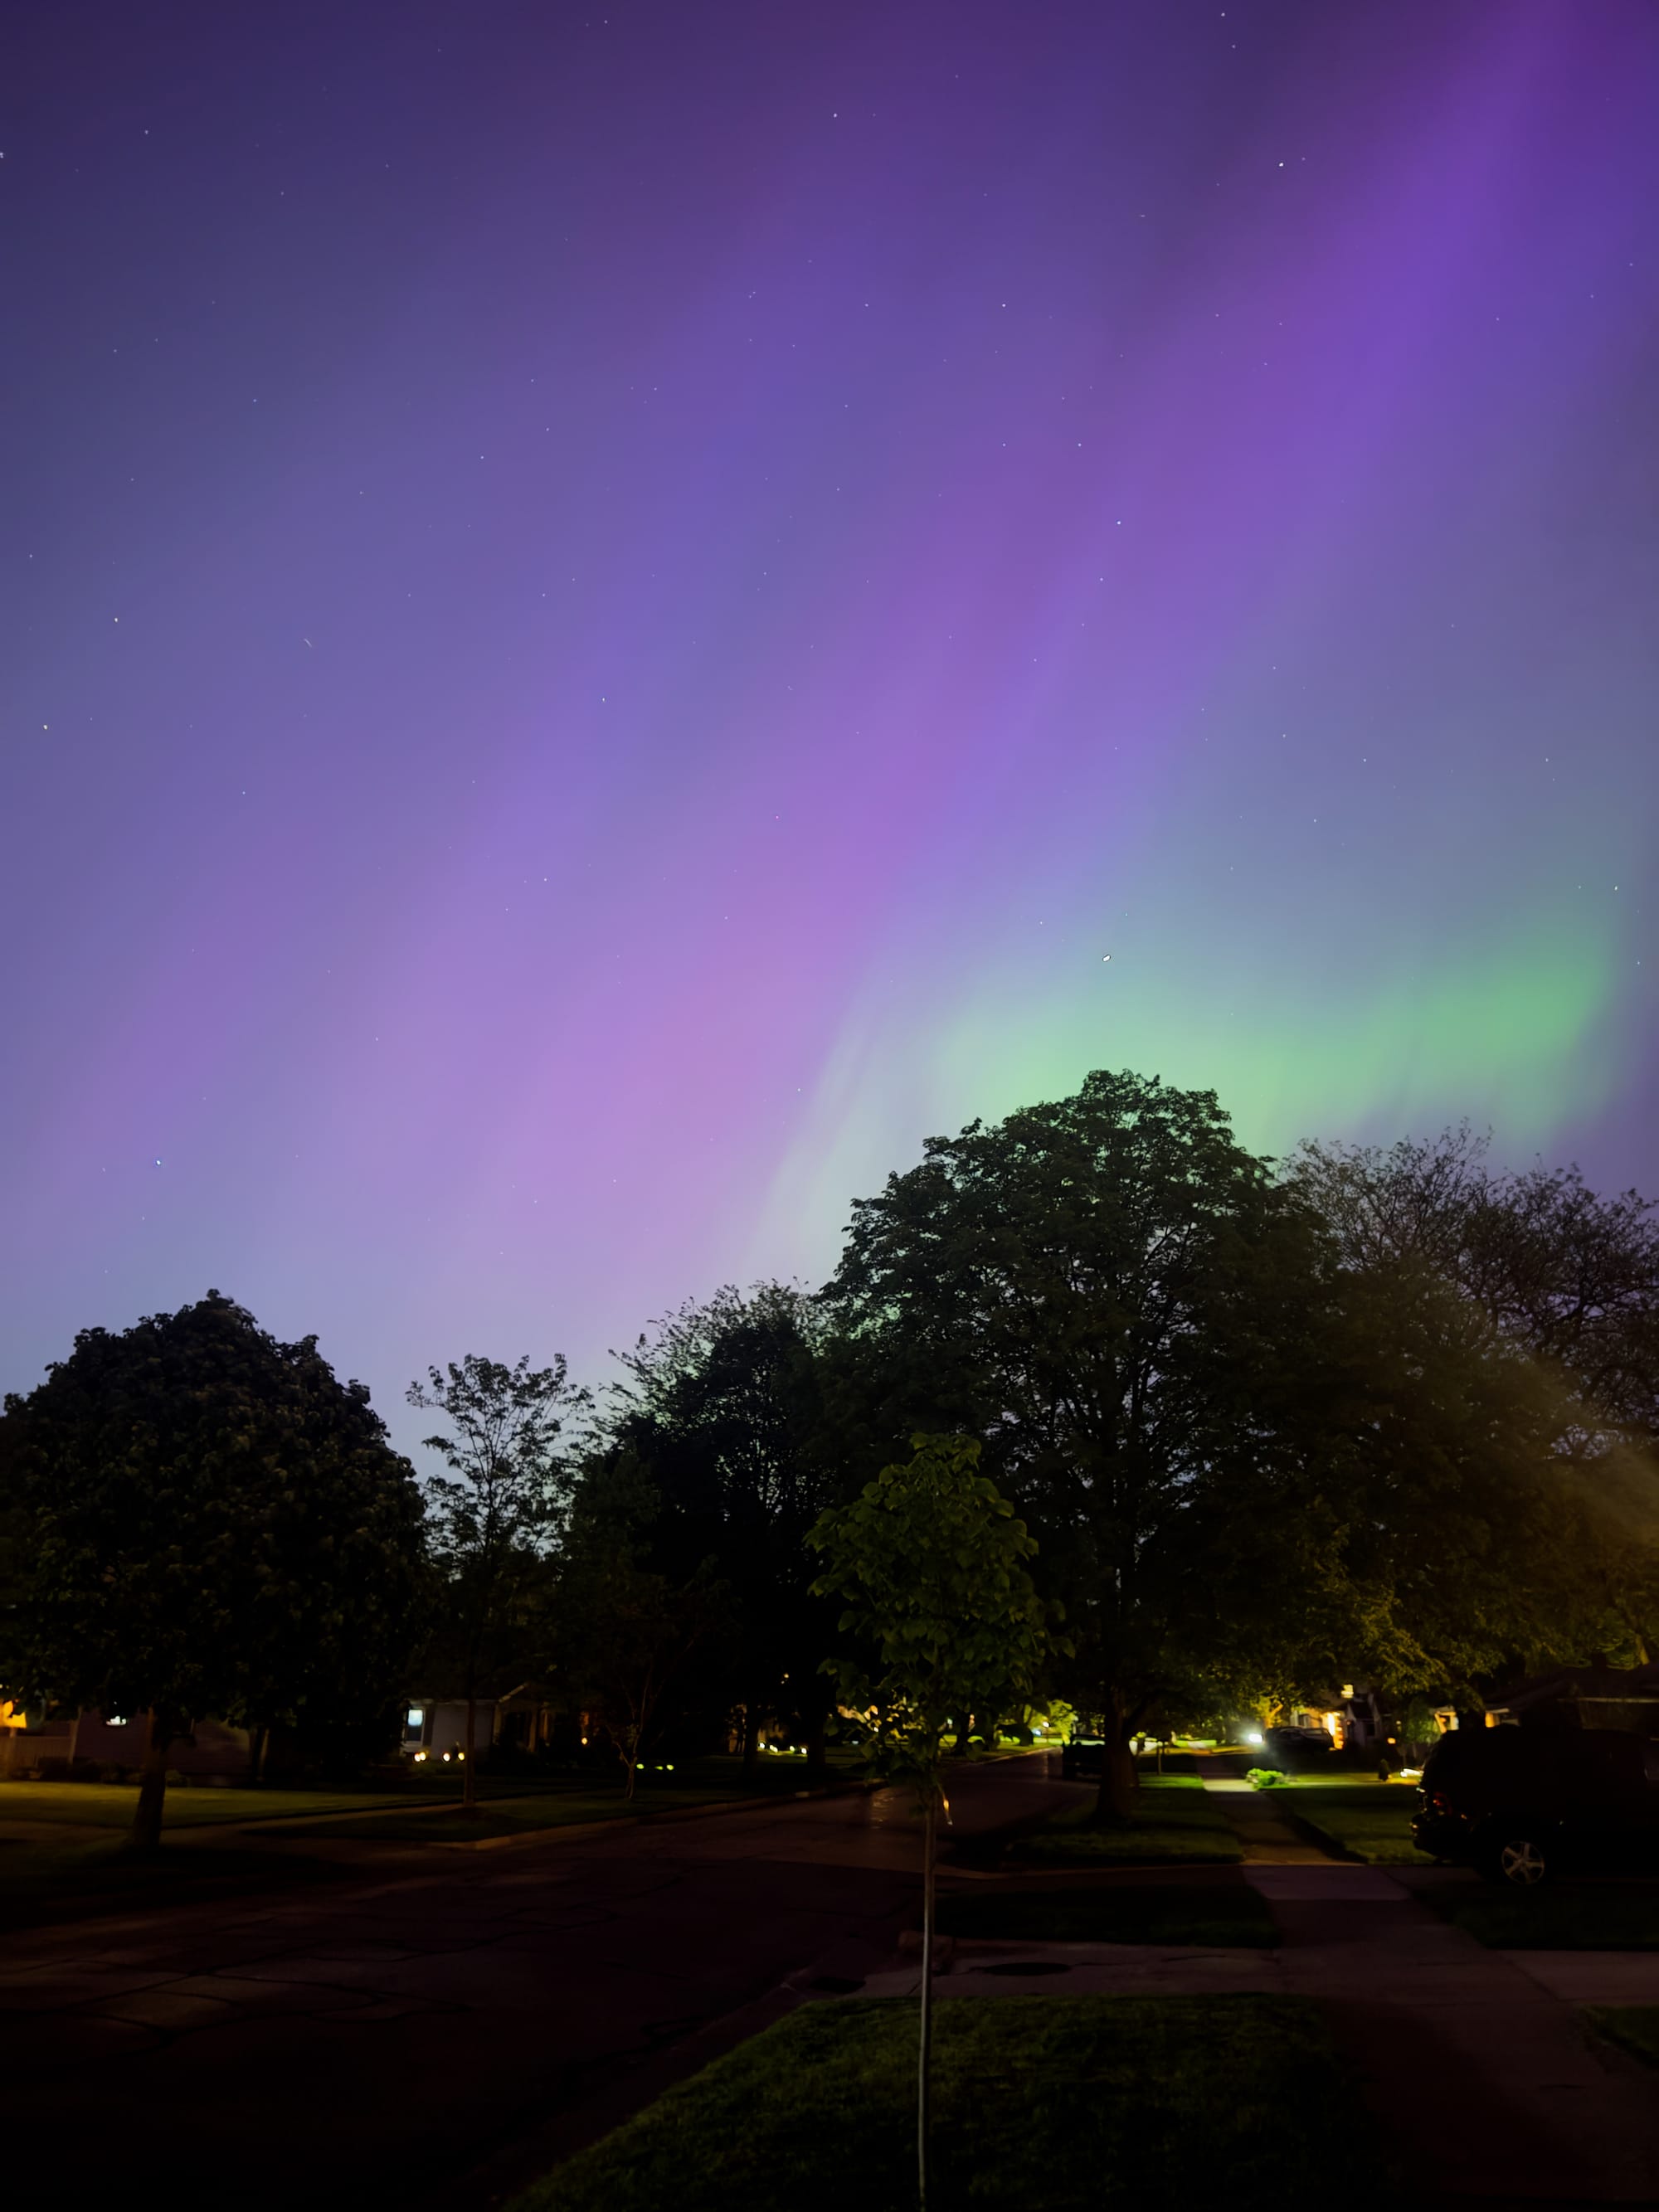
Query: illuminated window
[{"x": 414, "y": 1716}]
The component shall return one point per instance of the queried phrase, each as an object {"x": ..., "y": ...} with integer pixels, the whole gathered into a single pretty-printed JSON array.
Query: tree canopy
[
  {"x": 722, "y": 1407},
  {"x": 496, "y": 1514},
  {"x": 1117, "y": 1297},
  {"x": 212, "y": 1525}
]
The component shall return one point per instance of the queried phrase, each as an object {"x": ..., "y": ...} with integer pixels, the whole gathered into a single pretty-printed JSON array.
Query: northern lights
[{"x": 607, "y": 615}]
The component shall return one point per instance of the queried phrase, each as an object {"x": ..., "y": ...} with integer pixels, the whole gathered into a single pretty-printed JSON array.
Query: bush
[{"x": 1267, "y": 1778}]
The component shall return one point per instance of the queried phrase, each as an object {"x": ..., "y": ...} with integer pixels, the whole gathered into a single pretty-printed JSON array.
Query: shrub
[{"x": 1267, "y": 1778}]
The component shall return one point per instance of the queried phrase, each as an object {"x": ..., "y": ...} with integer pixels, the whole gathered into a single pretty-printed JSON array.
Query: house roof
[{"x": 1584, "y": 1686}]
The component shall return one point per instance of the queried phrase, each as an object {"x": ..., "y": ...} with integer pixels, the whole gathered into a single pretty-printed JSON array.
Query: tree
[
  {"x": 1552, "y": 1291},
  {"x": 933, "y": 1561},
  {"x": 1566, "y": 1274},
  {"x": 629, "y": 1633},
  {"x": 722, "y": 1407},
  {"x": 1116, "y": 1296},
  {"x": 495, "y": 1516},
  {"x": 213, "y": 1526}
]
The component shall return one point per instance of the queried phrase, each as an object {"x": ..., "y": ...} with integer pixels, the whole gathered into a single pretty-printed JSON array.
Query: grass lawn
[
  {"x": 1368, "y": 1820},
  {"x": 1634, "y": 2028},
  {"x": 111, "y": 1805},
  {"x": 1175, "y": 1819},
  {"x": 1041, "y": 2104},
  {"x": 1120, "y": 1913},
  {"x": 1560, "y": 1917}
]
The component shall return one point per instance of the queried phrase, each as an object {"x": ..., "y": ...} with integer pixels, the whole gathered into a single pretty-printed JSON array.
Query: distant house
[
  {"x": 434, "y": 1727},
  {"x": 93, "y": 1743},
  {"x": 1624, "y": 1698}
]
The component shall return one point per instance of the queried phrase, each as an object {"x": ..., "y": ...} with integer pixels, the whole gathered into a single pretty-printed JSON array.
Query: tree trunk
[
  {"x": 1117, "y": 1774},
  {"x": 750, "y": 1741},
  {"x": 258, "y": 1744},
  {"x": 468, "y": 1782},
  {"x": 817, "y": 1767},
  {"x": 925, "y": 2042},
  {"x": 145, "y": 1835}
]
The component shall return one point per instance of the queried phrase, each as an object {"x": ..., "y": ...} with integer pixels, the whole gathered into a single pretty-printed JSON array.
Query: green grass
[
  {"x": 1368, "y": 1820},
  {"x": 1119, "y": 1913},
  {"x": 111, "y": 1805},
  {"x": 1594, "y": 1917},
  {"x": 1175, "y": 1819},
  {"x": 1634, "y": 2028},
  {"x": 1049, "y": 2104}
]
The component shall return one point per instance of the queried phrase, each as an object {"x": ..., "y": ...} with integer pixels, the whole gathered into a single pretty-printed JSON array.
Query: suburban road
[{"x": 439, "y": 2034}]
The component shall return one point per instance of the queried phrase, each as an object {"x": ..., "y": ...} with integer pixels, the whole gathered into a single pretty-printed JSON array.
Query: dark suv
[
  {"x": 1083, "y": 1760},
  {"x": 1522, "y": 1804}
]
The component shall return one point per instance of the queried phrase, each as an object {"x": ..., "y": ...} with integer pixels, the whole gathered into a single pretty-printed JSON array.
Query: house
[
  {"x": 1598, "y": 1697},
  {"x": 93, "y": 1744}
]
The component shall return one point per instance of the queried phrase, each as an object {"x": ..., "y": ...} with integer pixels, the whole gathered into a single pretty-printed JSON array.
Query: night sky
[{"x": 607, "y": 617}]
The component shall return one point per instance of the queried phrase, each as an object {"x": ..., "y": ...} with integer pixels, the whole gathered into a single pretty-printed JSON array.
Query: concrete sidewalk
[
  {"x": 1478, "y": 2069},
  {"x": 1487, "y": 2079}
]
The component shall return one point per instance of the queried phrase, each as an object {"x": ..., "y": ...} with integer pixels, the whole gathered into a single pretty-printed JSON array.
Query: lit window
[{"x": 414, "y": 1716}]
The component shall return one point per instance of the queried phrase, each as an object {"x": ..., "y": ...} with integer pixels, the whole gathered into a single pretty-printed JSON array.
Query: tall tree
[
  {"x": 212, "y": 1525},
  {"x": 633, "y": 1638},
  {"x": 495, "y": 1515},
  {"x": 1568, "y": 1274},
  {"x": 933, "y": 1563},
  {"x": 1112, "y": 1293},
  {"x": 721, "y": 1404},
  {"x": 1564, "y": 1285}
]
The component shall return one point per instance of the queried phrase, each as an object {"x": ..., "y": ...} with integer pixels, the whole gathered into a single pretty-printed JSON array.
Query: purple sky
[{"x": 607, "y": 614}]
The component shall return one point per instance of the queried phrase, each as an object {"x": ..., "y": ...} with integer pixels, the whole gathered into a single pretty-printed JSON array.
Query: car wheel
[{"x": 1516, "y": 1859}]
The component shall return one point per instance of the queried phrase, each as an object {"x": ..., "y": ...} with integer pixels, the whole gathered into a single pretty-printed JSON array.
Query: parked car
[
  {"x": 1521, "y": 1805},
  {"x": 1083, "y": 1760},
  {"x": 1299, "y": 1743}
]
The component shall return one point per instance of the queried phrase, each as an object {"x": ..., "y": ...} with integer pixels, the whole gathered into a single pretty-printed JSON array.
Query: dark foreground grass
[
  {"x": 1211, "y": 1917},
  {"x": 112, "y": 1804},
  {"x": 1573, "y": 1917},
  {"x": 1367, "y": 1821},
  {"x": 1041, "y": 2104},
  {"x": 1175, "y": 1821},
  {"x": 1634, "y": 2028}
]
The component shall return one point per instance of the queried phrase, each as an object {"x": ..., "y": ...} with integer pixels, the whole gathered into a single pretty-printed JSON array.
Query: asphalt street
[{"x": 438, "y": 2033}]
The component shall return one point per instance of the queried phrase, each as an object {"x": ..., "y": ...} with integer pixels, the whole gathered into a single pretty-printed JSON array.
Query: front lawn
[
  {"x": 112, "y": 1804},
  {"x": 1118, "y": 1912},
  {"x": 1041, "y": 2104},
  {"x": 1569, "y": 1917},
  {"x": 1175, "y": 1818},
  {"x": 1368, "y": 1820},
  {"x": 1634, "y": 2028}
]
